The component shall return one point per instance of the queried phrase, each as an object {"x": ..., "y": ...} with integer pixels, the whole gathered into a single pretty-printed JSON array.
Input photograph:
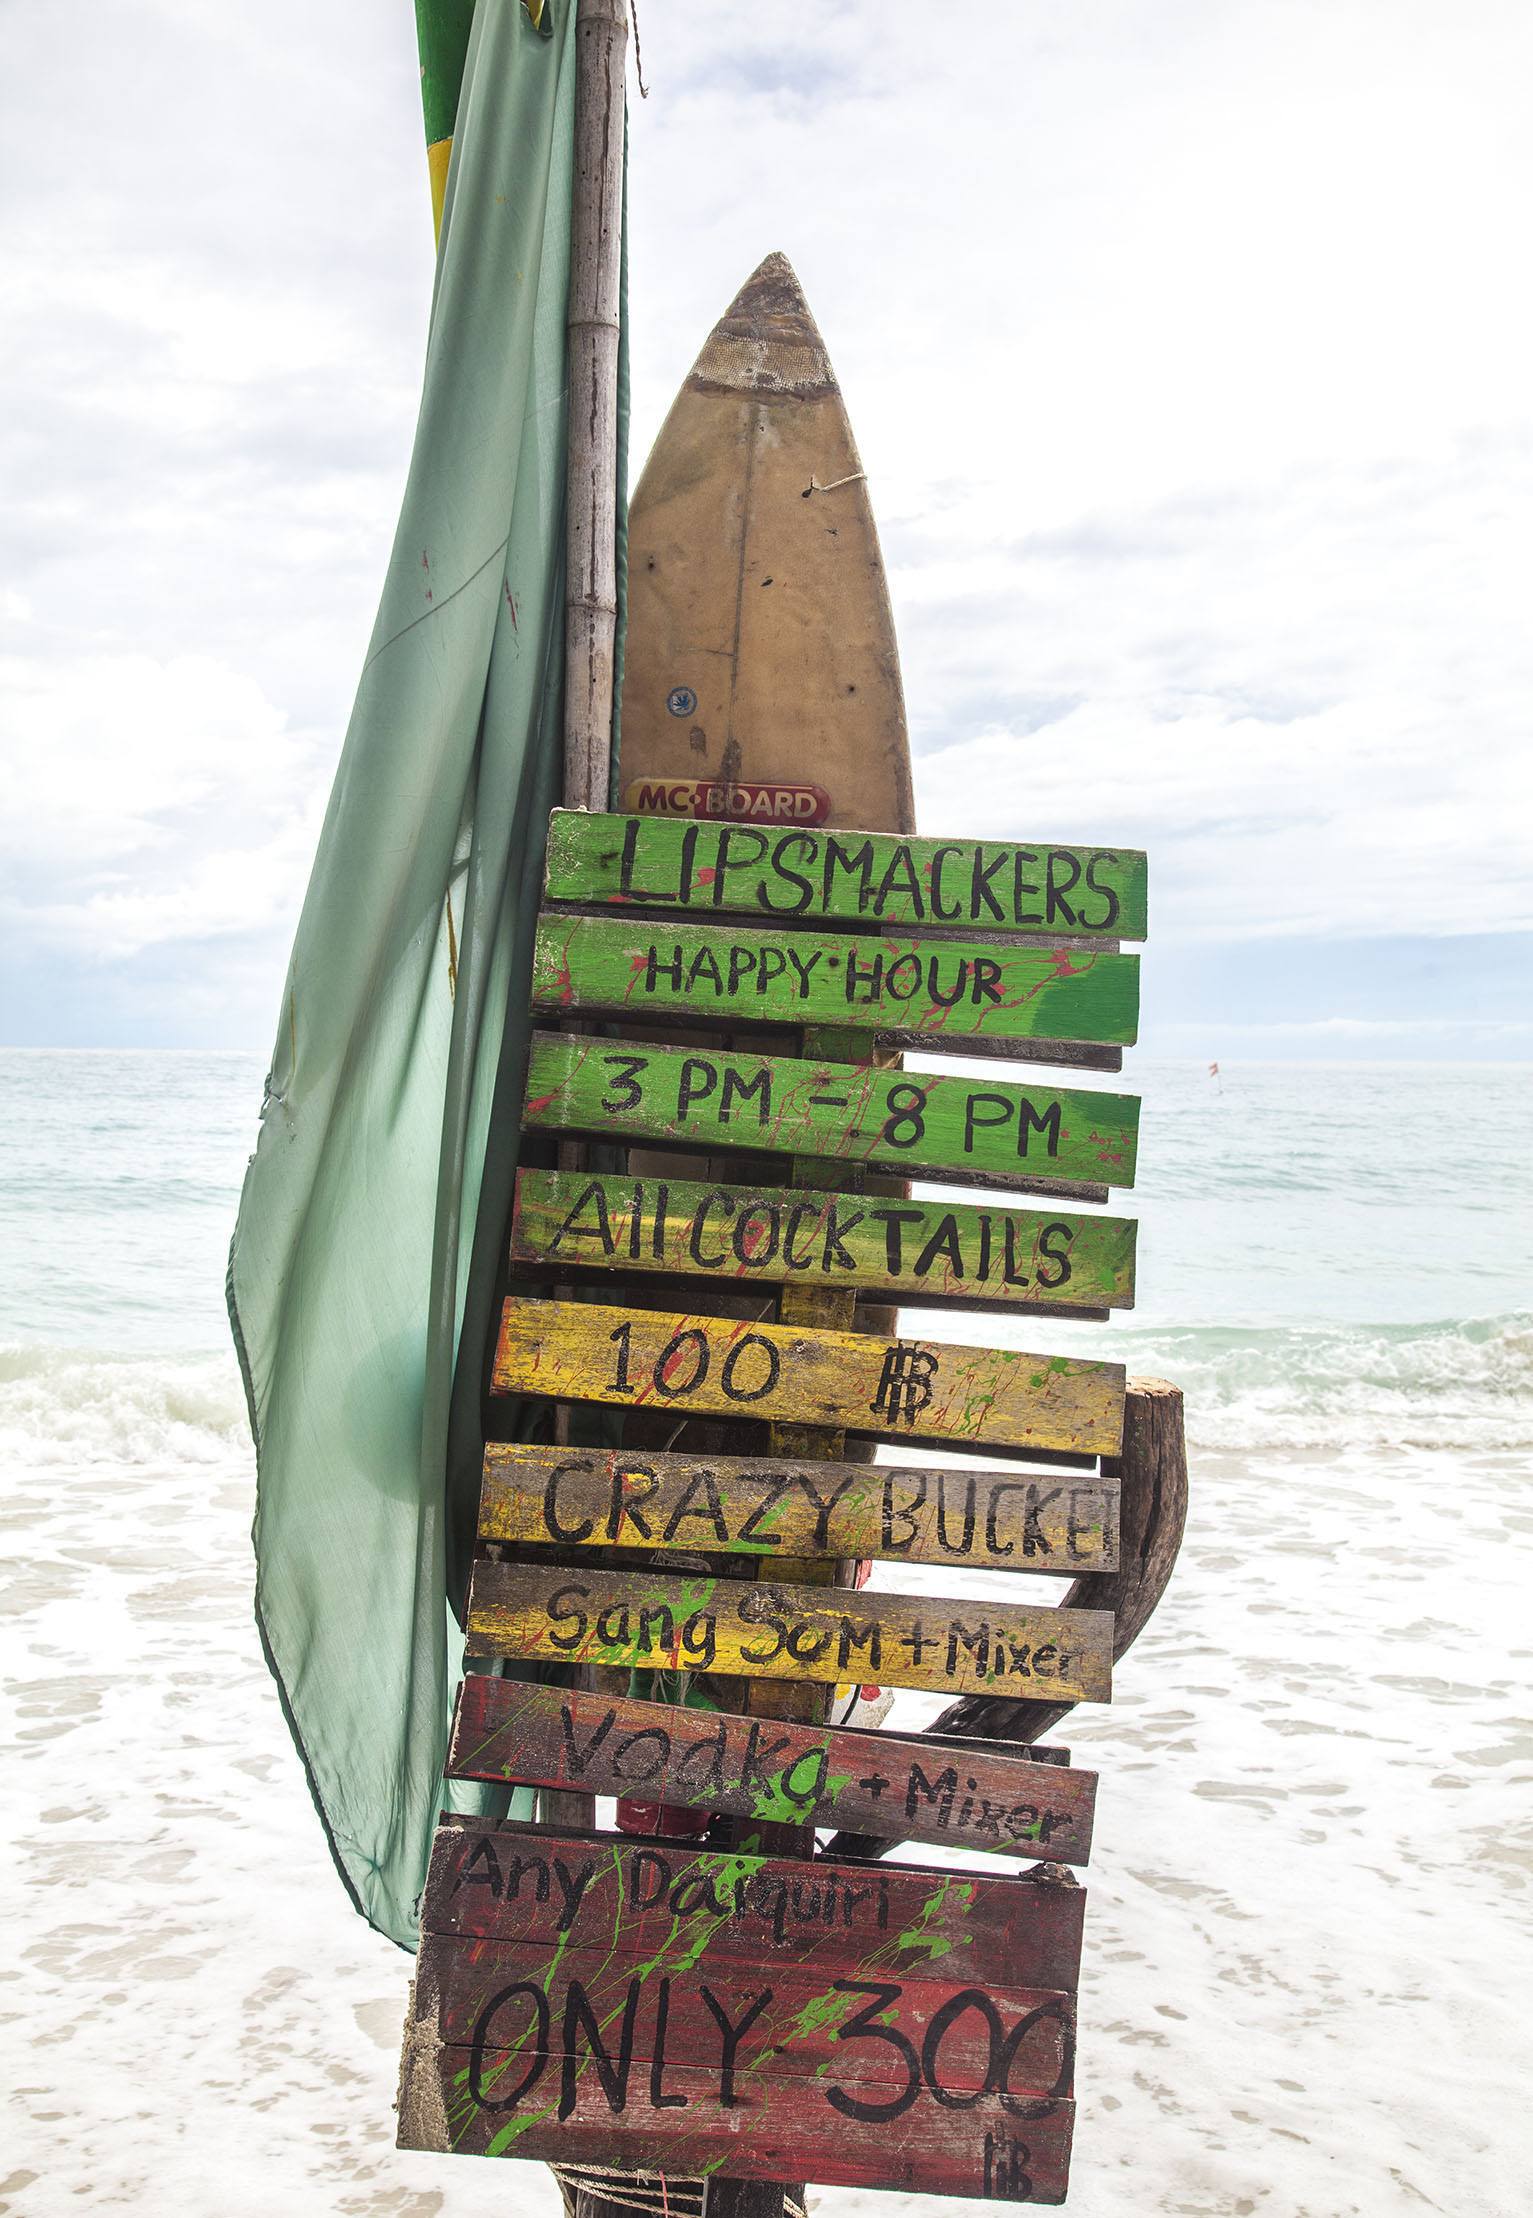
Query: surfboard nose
[{"x": 766, "y": 341}]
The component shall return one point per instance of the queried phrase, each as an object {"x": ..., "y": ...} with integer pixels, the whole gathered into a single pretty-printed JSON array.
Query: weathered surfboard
[{"x": 762, "y": 678}]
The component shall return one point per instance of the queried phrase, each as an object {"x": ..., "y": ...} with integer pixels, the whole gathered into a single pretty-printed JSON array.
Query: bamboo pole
[
  {"x": 590, "y": 619},
  {"x": 601, "y": 40}
]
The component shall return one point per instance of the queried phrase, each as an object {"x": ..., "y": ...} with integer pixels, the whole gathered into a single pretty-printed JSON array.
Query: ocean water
[{"x": 1308, "y": 1948}]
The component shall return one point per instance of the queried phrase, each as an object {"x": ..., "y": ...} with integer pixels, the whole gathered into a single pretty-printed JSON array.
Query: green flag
[{"x": 365, "y": 1253}]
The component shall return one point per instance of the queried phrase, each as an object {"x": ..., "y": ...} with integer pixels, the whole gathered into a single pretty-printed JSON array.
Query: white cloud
[{"x": 1180, "y": 343}]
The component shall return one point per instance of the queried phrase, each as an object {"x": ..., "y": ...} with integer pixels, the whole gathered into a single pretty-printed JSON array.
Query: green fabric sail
[{"x": 370, "y": 1228}]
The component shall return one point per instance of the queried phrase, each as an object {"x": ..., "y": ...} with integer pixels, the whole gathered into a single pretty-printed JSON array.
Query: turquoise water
[{"x": 1328, "y": 1252}]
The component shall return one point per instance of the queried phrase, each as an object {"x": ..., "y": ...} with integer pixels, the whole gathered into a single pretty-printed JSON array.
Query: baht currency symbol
[{"x": 904, "y": 1384}]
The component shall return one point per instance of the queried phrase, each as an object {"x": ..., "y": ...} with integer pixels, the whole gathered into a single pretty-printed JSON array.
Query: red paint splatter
[
  {"x": 511, "y": 604},
  {"x": 705, "y": 877}
]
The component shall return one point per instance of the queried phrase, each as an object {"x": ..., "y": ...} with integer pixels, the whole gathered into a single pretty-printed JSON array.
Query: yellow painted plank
[
  {"x": 893, "y": 1388},
  {"x": 651, "y": 1620},
  {"x": 782, "y": 1507}
]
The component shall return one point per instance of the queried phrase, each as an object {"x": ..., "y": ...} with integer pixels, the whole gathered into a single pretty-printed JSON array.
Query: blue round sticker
[{"x": 681, "y": 700}]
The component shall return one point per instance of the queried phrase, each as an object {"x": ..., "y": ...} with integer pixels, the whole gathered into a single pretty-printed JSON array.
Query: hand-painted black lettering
[
  {"x": 1054, "y": 1243},
  {"x": 658, "y": 2098},
  {"x": 573, "y": 1883},
  {"x": 551, "y": 1519},
  {"x": 719, "y": 1200},
  {"x": 611, "y": 2069},
  {"x": 974, "y": 1121},
  {"x": 987, "y": 980},
  {"x": 619, "y": 1383},
  {"x": 752, "y": 1530},
  {"x": 906, "y": 1510},
  {"x": 1061, "y": 873},
  {"x": 695, "y": 1082},
  {"x": 624, "y": 1090},
  {"x": 943, "y": 913},
  {"x": 942, "y": 2020},
  {"x": 738, "y": 1091},
  {"x": 823, "y": 1505},
  {"x": 759, "y": 1605},
  {"x": 671, "y": 1357},
  {"x": 710, "y": 1509},
  {"x": 865, "y": 2027},
  {"x": 1023, "y": 889},
  {"x": 732, "y": 2031},
  {"x": 894, "y": 1222},
  {"x": 563, "y": 1608},
  {"x": 729, "y": 1371},
  {"x": 905, "y": 1116},
  {"x": 489, "y": 2030},
  {"x": 632, "y": 1485},
  {"x": 1111, "y": 906},
  {"x": 732, "y": 838},
  {"x": 805, "y": 845},
  {"x": 577, "y": 1758},
  {"x": 998, "y": 2078}
]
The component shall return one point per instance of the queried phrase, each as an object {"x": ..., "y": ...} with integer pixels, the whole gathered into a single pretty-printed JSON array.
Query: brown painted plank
[
  {"x": 950, "y": 885},
  {"x": 928, "y": 1251},
  {"x": 666, "y": 2007},
  {"x": 781, "y": 2130},
  {"x": 1009, "y": 1519},
  {"x": 974, "y": 1131},
  {"x": 776, "y": 1772},
  {"x": 648, "y": 1620},
  {"x": 513, "y": 1883},
  {"x": 930, "y": 992},
  {"x": 862, "y": 1382}
]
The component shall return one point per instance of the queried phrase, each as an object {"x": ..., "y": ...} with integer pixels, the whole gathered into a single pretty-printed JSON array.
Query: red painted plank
[
  {"x": 1005, "y": 2151},
  {"x": 510, "y": 1883},
  {"x": 865, "y": 1782},
  {"x": 747, "y": 2022}
]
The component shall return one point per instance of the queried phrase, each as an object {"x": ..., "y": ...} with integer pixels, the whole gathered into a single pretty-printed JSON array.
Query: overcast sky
[{"x": 1186, "y": 342}]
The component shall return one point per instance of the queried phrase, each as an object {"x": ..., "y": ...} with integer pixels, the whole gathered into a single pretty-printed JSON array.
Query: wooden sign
[
  {"x": 600, "y": 2001},
  {"x": 651, "y": 1620},
  {"x": 954, "y": 1795},
  {"x": 928, "y": 1251},
  {"x": 857, "y": 877},
  {"x": 979, "y": 1519},
  {"x": 852, "y": 1381},
  {"x": 931, "y": 992},
  {"x": 979, "y": 1132}
]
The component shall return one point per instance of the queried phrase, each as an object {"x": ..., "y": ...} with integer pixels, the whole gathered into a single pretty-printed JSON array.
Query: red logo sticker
[{"x": 743, "y": 803}]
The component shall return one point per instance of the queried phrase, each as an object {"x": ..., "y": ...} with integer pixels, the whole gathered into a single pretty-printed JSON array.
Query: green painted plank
[
  {"x": 931, "y": 991},
  {"x": 702, "y": 1098},
  {"x": 795, "y": 1375},
  {"x": 925, "y": 1250},
  {"x": 954, "y": 885}
]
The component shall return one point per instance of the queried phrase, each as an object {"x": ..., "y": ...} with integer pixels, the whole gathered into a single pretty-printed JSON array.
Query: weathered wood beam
[{"x": 1152, "y": 1476}]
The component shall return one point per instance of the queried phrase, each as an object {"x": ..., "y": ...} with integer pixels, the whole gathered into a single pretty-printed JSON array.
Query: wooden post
[
  {"x": 596, "y": 245},
  {"x": 590, "y": 618},
  {"x": 590, "y": 622}
]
